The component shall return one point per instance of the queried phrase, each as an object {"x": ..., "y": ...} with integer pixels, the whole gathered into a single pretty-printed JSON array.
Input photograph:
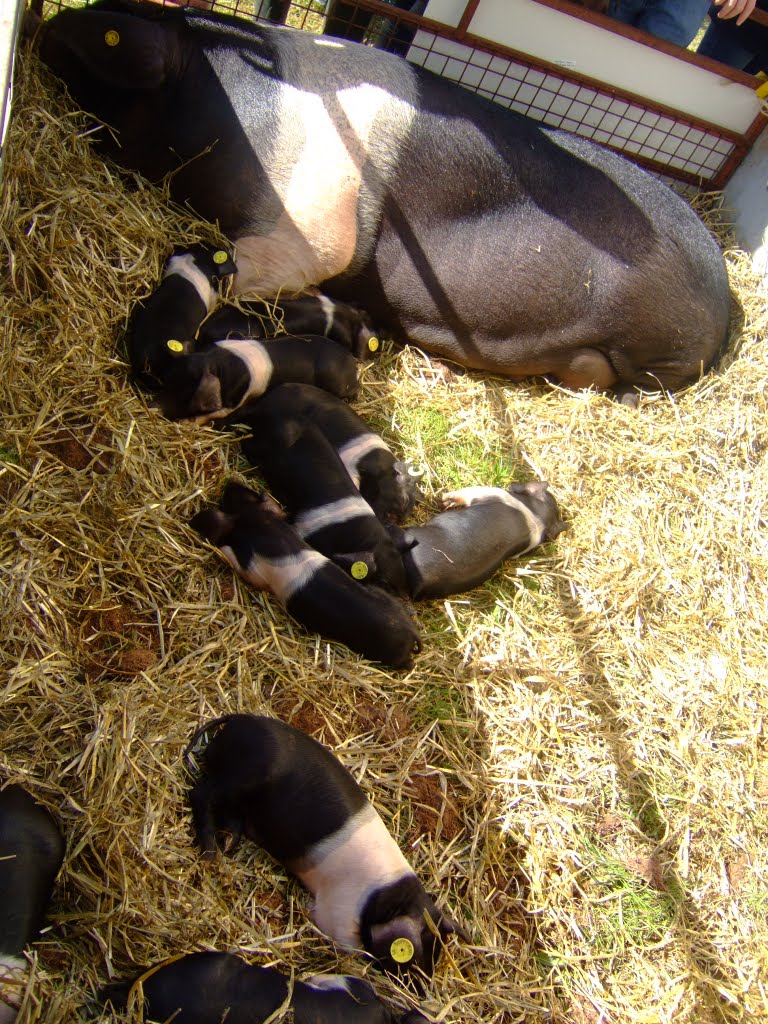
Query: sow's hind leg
[
  {"x": 575, "y": 365},
  {"x": 585, "y": 368}
]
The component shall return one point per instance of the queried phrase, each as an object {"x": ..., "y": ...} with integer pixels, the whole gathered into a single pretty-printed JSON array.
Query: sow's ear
[{"x": 116, "y": 49}]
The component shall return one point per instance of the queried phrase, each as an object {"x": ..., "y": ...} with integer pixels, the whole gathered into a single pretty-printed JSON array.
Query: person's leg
[
  {"x": 677, "y": 21},
  {"x": 626, "y": 11}
]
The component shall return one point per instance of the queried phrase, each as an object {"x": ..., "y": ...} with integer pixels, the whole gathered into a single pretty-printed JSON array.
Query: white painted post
[{"x": 746, "y": 197}]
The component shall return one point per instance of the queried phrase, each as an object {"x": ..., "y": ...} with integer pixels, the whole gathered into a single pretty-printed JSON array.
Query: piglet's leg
[
  {"x": 467, "y": 496},
  {"x": 454, "y": 499},
  {"x": 202, "y": 799}
]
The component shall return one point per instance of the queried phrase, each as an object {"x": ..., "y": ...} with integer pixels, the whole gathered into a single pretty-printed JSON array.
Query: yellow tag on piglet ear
[
  {"x": 359, "y": 570},
  {"x": 220, "y": 256},
  {"x": 373, "y": 344},
  {"x": 175, "y": 346},
  {"x": 401, "y": 951},
  {"x": 111, "y": 38}
]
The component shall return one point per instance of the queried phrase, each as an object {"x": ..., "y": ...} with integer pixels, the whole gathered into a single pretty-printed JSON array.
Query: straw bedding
[{"x": 576, "y": 766}]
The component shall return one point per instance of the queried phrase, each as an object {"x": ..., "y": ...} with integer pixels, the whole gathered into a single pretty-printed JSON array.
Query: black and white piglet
[
  {"x": 208, "y": 988},
  {"x": 463, "y": 546},
  {"x": 254, "y": 537},
  {"x": 387, "y": 484},
  {"x": 306, "y": 475},
  {"x": 224, "y": 377},
  {"x": 274, "y": 784},
  {"x": 308, "y": 314},
  {"x": 174, "y": 311},
  {"x": 31, "y": 852}
]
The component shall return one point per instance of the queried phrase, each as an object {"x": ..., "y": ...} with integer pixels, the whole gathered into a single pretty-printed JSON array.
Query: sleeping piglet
[
  {"x": 306, "y": 475},
  {"x": 31, "y": 852},
  {"x": 174, "y": 311},
  {"x": 387, "y": 484},
  {"x": 266, "y": 551},
  {"x": 278, "y": 786},
  {"x": 213, "y": 383},
  {"x": 462, "y": 547},
  {"x": 208, "y": 988},
  {"x": 308, "y": 314}
]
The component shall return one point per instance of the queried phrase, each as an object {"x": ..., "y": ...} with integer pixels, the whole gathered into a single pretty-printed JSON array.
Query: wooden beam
[{"x": 466, "y": 18}]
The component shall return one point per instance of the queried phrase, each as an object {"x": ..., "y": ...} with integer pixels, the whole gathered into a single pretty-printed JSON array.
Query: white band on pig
[
  {"x": 354, "y": 450},
  {"x": 329, "y": 308},
  {"x": 256, "y": 358},
  {"x": 280, "y": 576},
  {"x": 477, "y": 495},
  {"x": 536, "y": 528},
  {"x": 343, "y": 870},
  {"x": 329, "y": 982},
  {"x": 186, "y": 267},
  {"x": 336, "y": 512}
]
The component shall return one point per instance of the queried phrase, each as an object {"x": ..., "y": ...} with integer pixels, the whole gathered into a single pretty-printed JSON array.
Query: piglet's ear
[
  {"x": 224, "y": 267},
  {"x": 116, "y": 49},
  {"x": 234, "y": 496},
  {"x": 269, "y": 504},
  {"x": 388, "y": 938},
  {"x": 536, "y": 489},
  {"x": 267, "y": 434},
  {"x": 403, "y": 539},
  {"x": 357, "y": 564},
  {"x": 211, "y": 524},
  {"x": 408, "y": 470},
  {"x": 207, "y": 398}
]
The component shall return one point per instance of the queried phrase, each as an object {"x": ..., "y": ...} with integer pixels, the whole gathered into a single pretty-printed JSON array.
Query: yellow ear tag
[
  {"x": 373, "y": 344},
  {"x": 359, "y": 570},
  {"x": 111, "y": 38},
  {"x": 401, "y": 951},
  {"x": 175, "y": 346},
  {"x": 220, "y": 256}
]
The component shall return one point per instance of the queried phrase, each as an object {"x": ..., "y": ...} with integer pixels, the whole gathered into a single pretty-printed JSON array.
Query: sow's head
[
  {"x": 117, "y": 59},
  {"x": 126, "y": 46}
]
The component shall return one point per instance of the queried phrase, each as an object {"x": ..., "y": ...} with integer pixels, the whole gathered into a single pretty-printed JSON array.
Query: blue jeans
[{"x": 677, "y": 21}]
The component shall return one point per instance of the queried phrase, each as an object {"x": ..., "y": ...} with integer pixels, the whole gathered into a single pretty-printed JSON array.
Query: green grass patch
[
  {"x": 625, "y": 910},
  {"x": 9, "y": 455},
  {"x": 457, "y": 458},
  {"x": 440, "y": 703}
]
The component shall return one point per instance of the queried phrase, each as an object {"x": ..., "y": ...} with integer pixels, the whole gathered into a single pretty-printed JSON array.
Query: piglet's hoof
[
  {"x": 455, "y": 499},
  {"x": 227, "y": 841}
]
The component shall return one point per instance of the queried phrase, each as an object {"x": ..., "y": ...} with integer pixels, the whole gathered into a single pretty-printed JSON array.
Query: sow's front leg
[{"x": 282, "y": 263}]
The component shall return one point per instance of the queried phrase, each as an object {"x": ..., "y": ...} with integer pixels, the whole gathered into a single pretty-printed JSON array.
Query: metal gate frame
[{"x": 668, "y": 141}]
